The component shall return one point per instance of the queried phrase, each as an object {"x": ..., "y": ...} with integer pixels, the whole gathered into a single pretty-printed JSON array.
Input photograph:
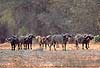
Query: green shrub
[
  {"x": 23, "y": 31},
  {"x": 97, "y": 38}
]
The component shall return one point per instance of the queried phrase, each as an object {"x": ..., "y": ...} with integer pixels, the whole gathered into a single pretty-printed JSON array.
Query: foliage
[
  {"x": 97, "y": 38},
  {"x": 43, "y": 17},
  {"x": 23, "y": 31}
]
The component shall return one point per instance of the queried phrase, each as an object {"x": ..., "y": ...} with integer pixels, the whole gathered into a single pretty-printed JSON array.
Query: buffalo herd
[{"x": 25, "y": 42}]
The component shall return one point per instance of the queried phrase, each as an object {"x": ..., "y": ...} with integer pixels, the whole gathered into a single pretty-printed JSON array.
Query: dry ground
[{"x": 38, "y": 58}]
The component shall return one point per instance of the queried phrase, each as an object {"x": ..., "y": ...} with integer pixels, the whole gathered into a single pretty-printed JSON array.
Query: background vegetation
[{"x": 43, "y": 17}]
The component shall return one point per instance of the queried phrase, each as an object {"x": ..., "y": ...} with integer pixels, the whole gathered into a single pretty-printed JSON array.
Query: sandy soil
[{"x": 43, "y": 58}]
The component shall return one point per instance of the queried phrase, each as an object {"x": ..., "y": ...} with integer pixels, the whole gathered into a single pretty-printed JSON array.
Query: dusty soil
[{"x": 43, "y": 58}]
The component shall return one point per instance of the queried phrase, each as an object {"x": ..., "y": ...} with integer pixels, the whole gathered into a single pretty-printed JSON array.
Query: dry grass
[{"x": 38, "y": 58}]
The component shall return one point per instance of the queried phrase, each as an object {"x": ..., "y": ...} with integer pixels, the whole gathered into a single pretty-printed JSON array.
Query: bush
[
  {"x": 23, "y": 31},
  {"x": 97, "y": 38}
]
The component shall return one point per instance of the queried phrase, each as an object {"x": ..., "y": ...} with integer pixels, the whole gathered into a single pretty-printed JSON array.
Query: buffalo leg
[
  {"x": 40, "y": 45},
  {"x": 45, "y": 46},
  {"x": 28, "y": 46},
  {"x": 11, "y": 47},
  {"x": 62, "y": 45},
  {"x": 31, "y": 46},
  {"x": 25, "y": 46},
  {"x": 82, "y": 45},
  {"x": 65, "y": 46},
  {"x": 14, "y": 47},
  {"x": 77, "y": 45},
  {"x": 19, "y": 47},
  {"x": 54, "y": 47},
  {"x": 86, "y": 46},
  {"x": 50, "y": 46}
]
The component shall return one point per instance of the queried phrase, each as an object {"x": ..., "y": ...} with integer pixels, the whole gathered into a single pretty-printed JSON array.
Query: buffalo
[
  {"x": 58, "y": 39},
  {"x": 26, "y": 41},
  {"x": 42, "y": 40},
  {"x": 84, "y": 39},
  {"x": 22, "y": 40},
  {"x": 14, "y": 41}
]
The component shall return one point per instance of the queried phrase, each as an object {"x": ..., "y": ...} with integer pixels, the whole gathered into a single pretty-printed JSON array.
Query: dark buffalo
[
  {"x": 29, "y": 41},
  {"x": 22, "y": 40},
  {"x": 14, "y": 42},
  {"x": 84, "y": 39},
  {"x": 26, "y": 41}
]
